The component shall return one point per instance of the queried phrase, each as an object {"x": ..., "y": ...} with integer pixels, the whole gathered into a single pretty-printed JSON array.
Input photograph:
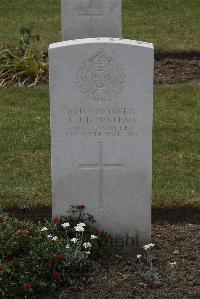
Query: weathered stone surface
[
  {"x": 101, "y": 129},
  {"x": 90, "y": 18}
]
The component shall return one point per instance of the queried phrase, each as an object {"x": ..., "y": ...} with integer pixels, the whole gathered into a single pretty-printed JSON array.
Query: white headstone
[
  {"x": 101, "y": 133},
  {"x": 90, "y": 18}
]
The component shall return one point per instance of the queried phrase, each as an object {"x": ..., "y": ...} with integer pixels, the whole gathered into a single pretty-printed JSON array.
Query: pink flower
[{"x": 80, "y": 206}]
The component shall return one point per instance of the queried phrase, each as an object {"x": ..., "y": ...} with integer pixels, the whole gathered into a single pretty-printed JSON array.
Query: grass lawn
[
  {"x": 176, "y": 144},
  {"x": 172, "y": 25},
  {"x": 25, "y": 146}
]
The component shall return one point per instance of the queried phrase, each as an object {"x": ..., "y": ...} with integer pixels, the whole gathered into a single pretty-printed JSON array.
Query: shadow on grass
[{"x": 159, "y": 215}]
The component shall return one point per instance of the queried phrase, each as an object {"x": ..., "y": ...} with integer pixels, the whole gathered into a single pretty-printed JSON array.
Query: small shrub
[
  {"x": 23, "y": 65},
  {"x": 148, "y": 272}
]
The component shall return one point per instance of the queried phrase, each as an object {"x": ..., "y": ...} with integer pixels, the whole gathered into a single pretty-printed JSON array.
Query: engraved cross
[{"x": 100, "y": 166}]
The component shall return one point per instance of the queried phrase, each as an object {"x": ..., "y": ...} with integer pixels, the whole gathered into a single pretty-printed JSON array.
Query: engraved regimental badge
[{"x": 101, "y": 77}]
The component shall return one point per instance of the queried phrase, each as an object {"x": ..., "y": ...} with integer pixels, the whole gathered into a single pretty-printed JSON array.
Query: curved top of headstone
[{"x": 105, "y": 40}]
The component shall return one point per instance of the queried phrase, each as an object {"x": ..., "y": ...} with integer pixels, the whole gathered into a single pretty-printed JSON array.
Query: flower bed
[{"x": 38, "y": 258}]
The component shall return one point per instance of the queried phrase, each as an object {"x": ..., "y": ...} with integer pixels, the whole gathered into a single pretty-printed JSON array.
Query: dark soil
[
  {"x": 122, "y": 278},
  {"x": 172, "y": 68},
  {"x": 159, "y": 215}
]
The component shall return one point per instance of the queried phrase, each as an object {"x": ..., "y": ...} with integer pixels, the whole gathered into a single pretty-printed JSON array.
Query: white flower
[
  {"x": 146, "y": 247},
  {"x": 49, "y": 236},
  {"x": 87, "y": 245},
  {"x": 44, "y": 229},
  {"x": 173, "y": 264},
  {"x": 138, "y": 256},
  {"x": 74, "y": 240},
  {"x": 93, "y": 237},
  {"x": 79, "y": 228},
  {"x": 87, "y": 252},
  {"x": 81, "y": 224},
  {"x": 55, "y": 238},
  {"x": 67, "y": 246},
  {"x": 66, "y": 224}
]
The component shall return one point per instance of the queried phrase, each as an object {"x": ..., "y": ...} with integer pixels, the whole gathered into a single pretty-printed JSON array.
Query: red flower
[
  {"x": 57, "y": 257},
  {"x": 30, "y": 233},
  {"x": 56, "y": 274},
  {"x": 97, "y": 232},
  {"x": 1, "y": 269},
  {"x": 56, "y": 219},
  {"x": 80, "y": 206},
  {"x": 28, "y": 286}
]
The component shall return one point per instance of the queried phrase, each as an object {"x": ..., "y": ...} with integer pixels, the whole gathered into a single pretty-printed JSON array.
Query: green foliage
[
  {"x": 151, "y": 275},
  {"x": 35, "y": 259}
]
